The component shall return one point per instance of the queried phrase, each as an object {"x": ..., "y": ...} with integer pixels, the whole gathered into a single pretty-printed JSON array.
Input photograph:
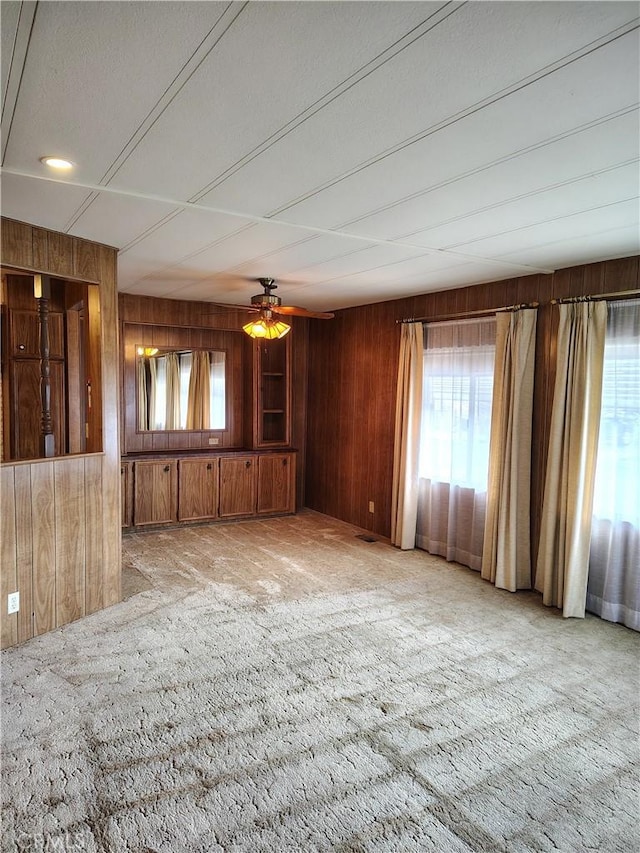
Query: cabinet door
[
  {"x": 27, "y": 408},
  {"x": 238, "y": 486},
  {"x": 155, "y": 492},
  {"x": 276, "y": 478},
  {"x": 197, "y": 489},
  {"x": 125, "y": 488}
]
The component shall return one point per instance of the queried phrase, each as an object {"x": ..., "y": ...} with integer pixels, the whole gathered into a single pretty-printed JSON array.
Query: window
[{"x": 456, "y": 402}]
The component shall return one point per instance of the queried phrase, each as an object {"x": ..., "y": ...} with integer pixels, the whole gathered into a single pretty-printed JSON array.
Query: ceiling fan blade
[
  {"x": 220, "y": 305},
  {"x": 302, "y": 312}
]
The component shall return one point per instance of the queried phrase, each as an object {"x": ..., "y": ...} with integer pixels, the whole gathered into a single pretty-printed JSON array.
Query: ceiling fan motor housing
[{"x": 266, "y": 300}]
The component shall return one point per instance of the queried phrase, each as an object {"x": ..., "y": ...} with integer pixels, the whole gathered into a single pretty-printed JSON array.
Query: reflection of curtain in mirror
[
  {"x": 172, "y": 420},
  {"x": 143, "y": 403},
  {"x": 454, "y": 444},
  {"x": 198, "y": 407},
  {"x": 218, "y": 414},
  {"x": 152, "y": 391},
  {"x": 185, "y": 374}
]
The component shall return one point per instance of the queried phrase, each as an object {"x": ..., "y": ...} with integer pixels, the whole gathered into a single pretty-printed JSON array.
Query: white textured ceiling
[{"x": 354, "y": 151}]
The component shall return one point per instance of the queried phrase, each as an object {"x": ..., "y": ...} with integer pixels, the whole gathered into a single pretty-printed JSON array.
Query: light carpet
[{"x": 282, "y": 685}]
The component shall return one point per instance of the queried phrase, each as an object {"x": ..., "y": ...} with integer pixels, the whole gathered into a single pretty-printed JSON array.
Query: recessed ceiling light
[{"x": 57, "y": 163}]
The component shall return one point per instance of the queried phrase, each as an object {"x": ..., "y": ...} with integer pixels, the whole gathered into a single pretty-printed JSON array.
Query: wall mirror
[{"x": 180, "y": 389}]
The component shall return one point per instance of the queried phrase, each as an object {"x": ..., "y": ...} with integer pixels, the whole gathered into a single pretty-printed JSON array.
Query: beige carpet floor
[{"x": 282, "y": 685}]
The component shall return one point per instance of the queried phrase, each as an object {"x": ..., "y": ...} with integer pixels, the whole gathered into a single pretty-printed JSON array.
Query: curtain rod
[
  {"x": 485, "y": 312},
  {"x": 629, "y": 294}
]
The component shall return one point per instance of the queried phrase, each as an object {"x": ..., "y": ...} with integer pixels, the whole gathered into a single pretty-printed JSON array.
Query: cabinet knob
[
  {"x": 167, "y": 467},
  {"x": 284, "y": 461},
  {"x": 209, "y": 466},
  {"x": 248, "y": 463}
]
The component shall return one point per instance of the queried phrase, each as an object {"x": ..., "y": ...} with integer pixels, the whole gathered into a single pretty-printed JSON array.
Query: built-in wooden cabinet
[
  {"x": 276, "y": 479},
  {"x": 155, "y": 492},
  {"x": 197, "y": 489},
  {"x": 189, "y": 489},
  {"x": 270, "y": 400},
  {"x": 238, "y": 479}
]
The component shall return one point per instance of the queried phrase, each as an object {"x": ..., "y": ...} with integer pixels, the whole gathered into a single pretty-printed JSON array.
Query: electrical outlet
[
  {"x": 13, "y": 602},
  {"x": 214, "y": 441},
  {"x": 371, "y": 507}
]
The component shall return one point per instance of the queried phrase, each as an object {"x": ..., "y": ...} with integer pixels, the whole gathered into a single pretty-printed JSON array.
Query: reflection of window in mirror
[{"x": 180, "y": 389}]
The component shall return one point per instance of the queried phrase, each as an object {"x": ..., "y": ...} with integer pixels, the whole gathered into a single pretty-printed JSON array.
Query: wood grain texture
[
  {"x": 17, "y": 244},
  {"x": 126, "y": 484},
  {"x": 96, "y": 418},
  {"x": 353, "y": 375},
  {"x": 8, "y": 557},
  {"x": 43, "y": 531},
  {"x": 155, "y": 492},
  {"x": 111, "y": 513},
  {"x": 24, "y": 550},
  {"x": 61, "y": 253},
  {"x": 70, "y": 539},
  {"x": 276, "y": 483},
  {"x": 198, "y": 489},
  {"x": 93, "y": 568},
  {"x": 238, "y": 480},
  {"x": 75, "y": 385},
  {"x": 86, "y": 260}
]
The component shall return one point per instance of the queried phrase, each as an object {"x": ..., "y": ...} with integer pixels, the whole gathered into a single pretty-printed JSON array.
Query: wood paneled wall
[
  {"x": 352, "y": 385},
  {"x": 179, "y": 316},
  {"x": 60, "y": 519}
]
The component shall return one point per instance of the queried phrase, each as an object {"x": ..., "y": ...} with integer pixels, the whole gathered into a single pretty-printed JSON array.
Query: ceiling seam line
[
  {"x": 249, "y": 217},
  {"x": 520, "y": 197},
  {"x": 19, "y": 84},
  {"x": 582, "y": 236},
  {"x": 324, "y": 101},
  {"x": 115, "y": 167},
  {"x": 491, "y": 165},
  {"x": 81, "y": 210},
  {"x": 198, "y": 251},
  {"x": 109, "y": 177},
  {"x": 543, "y": 222},
  {"x": 14, "y": 44},
  {"x": 151, "y": 229},
  {"x": 446, "y": 123}
]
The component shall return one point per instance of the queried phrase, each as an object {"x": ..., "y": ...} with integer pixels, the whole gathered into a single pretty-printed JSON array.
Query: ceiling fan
[{"x": 268, "y": 306}]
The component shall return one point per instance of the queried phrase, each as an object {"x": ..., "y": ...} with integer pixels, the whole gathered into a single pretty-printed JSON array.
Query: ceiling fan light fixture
[{"x": 266, "y": 328}]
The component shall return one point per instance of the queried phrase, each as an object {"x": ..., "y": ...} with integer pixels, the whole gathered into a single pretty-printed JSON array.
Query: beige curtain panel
[
  {"x": 141, "y": 386},
  {"x": 199, "y": 399},
  {"x": 152, "y": 366},
  {"x": 563, "y": 556},
  {"x": 172, "y": 420},
  {"x": 506, "y": 554},
  {"x": 404, "y": 499}
]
